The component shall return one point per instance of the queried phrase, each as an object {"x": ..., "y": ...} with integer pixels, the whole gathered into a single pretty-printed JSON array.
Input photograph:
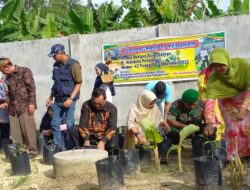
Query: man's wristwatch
[{"x": 71, "y": 98}]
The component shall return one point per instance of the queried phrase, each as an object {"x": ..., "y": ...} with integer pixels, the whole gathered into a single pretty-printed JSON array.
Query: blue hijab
[{"x": 98, "y": 81}]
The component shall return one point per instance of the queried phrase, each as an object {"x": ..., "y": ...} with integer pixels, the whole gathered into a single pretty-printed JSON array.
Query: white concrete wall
[
  {"x": 91, "y": 50},
  {"x": 87, "y": 49},
  {"x": 33, "y": 54}
]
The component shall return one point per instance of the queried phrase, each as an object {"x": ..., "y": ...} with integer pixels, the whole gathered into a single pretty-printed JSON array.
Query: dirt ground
[{"x": 149, "y": 179}]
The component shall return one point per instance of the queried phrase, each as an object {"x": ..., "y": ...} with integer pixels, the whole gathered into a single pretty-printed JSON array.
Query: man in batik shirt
[{"x": 21, "y": 104}]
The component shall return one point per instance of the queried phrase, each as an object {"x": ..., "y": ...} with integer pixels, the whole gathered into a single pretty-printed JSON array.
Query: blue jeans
[{"x": 60, "y": 112}]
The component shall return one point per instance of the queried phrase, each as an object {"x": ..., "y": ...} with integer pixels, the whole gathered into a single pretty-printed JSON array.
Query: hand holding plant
[
  {"x": 142, "y": 139},
  {"x": 209, "y": 130}
]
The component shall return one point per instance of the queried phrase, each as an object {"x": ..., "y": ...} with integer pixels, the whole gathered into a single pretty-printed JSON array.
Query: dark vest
[{"x": 63, "y": 81}]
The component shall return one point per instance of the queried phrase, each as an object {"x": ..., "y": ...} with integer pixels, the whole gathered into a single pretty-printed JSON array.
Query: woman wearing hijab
[
  {"x": 230, "y": 84},
  {"x": 145, "y": 107},
  {"x": 100, "y": 69}
]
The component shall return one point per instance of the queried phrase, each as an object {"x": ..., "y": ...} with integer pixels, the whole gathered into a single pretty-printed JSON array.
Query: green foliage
[
  {"x": 34, "y": 167},
  {"x": 153, "y": 138},
  {"x": 49, "y": 30},
  {"x": 136, "y": 16},
  {"x": 235, "y": 5},
  {"x": 107, "y": 17},
  {"x": 35, "y": 19},
  {"x": 65, "y": 26},
  {"x": 184, "y": 133},
  {"x": 82, "y": 23},
  {"x": 19, "y": 182},
  {"x": 245, "y": 7},
  {"x": 235, "y": 177},
  {"x": 17, "y": 23},
  {"x": 176, "y": 10},
  {"x": 213, "y": 8},
  {"x": 12, "y": 10},
  {"x": 151, "y": 133},
  {"x": 238, "y": 7},
  {"x": 155, "y": 15}
]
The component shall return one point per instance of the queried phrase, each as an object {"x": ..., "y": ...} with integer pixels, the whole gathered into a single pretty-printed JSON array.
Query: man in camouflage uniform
[
  {"x": 21, "y": 104},
  {"x": 185, "y": 111}
]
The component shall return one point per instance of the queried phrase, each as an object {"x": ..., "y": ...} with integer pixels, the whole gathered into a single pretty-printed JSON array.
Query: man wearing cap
[
  {"x": 185, "y": 111},
  {"x": 21, "y": 104},
  {"x": 65, "y": 91}
]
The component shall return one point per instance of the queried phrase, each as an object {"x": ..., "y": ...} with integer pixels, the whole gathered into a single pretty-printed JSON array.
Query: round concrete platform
[{"x": 78, "y": 163}]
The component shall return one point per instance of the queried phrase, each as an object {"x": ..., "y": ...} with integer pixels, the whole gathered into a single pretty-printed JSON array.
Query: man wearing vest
[{"x": 65, "y": 91}]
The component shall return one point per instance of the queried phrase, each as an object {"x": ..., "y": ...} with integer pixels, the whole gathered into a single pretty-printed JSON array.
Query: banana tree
[
  {"x": 107, "y": 17},
  {"x": 17, "y": 23},
  {"x": 153, "y": 138},
  {"x": 172, "y": 11},
  {"x": 64, "y": 26},
  {"x": 10, "y": 16},
  {"x": 82, "y": 22},
  {"x": 12, "y": 10},
  {"x": 184, "y": 133},
  {"x": 238, "y": 7},
  {"x": 136, "y": 15},
  {"x": 50, "y": 29}
]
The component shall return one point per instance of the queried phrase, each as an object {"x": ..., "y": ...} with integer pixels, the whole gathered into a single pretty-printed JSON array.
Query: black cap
[{"x": 160, "y": 90}]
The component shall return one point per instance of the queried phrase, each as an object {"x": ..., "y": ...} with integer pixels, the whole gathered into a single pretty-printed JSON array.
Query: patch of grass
[
  {"x": 19, "y": 182},
  {"x": 34, "y": 167},
  {"x": 235, "y": 177}
]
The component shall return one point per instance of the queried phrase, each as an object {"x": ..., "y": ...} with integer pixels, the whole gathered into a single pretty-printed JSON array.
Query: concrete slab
[{"x": 78, "y": 163}]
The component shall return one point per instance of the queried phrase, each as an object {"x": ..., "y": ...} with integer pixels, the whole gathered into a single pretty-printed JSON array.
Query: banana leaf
[
  {"x": 151, "y": 133},
  {"x": 50, "y": 30},
  {"x": 184, "y": 133},
  {"x": 153, "y": 138}
]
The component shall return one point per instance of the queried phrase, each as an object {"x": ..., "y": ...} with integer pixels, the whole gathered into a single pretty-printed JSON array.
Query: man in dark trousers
[{"x": 65, "y": 91}]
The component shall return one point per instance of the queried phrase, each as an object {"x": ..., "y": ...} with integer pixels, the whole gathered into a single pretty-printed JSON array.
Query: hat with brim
[{"x": 190, "y": 96}]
